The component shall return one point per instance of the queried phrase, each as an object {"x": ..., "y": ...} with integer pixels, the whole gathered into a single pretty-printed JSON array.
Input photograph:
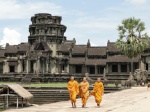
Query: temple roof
[
  {"x": 76, "y": 61},
  {"x": 97, "y": 51},
  {"x": 79, "y": 49},
  {"x": 65, "y": 47},
  {"x": 11, "y": 49},
  {"x": 121, "y": 58},
  {"x": 23, "y": 47},
  {"x": 95, "y": 62},
  {"x": 111, "y": 47}
]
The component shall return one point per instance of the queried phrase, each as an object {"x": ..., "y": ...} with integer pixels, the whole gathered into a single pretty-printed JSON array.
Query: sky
[{"x": 96, "y": 20}]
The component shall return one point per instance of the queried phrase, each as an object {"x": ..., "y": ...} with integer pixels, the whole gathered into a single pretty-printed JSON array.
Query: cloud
[
  {"x": 13, "y": 9},
  {"x": 136, "y": 2},
  {"x": 94, "y": 23},
  {"x": 10, "y": 36},
  {"x": 93, "y": 44}
]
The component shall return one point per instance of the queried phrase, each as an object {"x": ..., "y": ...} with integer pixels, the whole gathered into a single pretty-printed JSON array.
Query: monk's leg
[
  {"x": 74, "y": 99},
  {"x": 98, "y": 100},
  {"x": 83, "y": 102},
  {"x": 71, "y": 99}
]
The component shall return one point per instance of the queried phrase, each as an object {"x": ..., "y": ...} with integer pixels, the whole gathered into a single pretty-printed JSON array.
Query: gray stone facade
[{"x": 49, "y": 51}]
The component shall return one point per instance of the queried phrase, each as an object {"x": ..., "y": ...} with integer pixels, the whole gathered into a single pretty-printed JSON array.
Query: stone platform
[{"x": 136, "y": 99}]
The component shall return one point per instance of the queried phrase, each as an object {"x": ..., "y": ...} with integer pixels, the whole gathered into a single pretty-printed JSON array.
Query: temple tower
[{"x": 48, "y": 28}]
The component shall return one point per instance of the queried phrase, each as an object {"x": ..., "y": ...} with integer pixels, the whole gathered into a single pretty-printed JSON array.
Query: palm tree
[{"x": 132, "y": 39}]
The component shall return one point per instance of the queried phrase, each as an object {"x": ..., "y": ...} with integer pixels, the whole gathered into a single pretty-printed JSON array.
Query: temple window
[
  {"x": 124, "y": 68},
  {"x": 114, "y": 68},
  {"x": 92, "y": 69},
  {"x": 12, "y": 68},
  {"x": 78, "y": 69}
]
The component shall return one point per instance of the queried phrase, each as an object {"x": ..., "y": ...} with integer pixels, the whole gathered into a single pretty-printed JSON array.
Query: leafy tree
[{"x": 132, "y": 38}]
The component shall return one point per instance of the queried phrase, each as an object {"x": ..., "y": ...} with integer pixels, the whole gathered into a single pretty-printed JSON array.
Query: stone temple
[{"x": 49, "y": 52}]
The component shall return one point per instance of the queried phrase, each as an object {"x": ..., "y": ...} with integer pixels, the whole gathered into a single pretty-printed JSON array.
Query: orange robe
[
  {"x": 98, "y": 91},
  {"x": 73, "y": 90},
  {"x": 84, "y": 92}
]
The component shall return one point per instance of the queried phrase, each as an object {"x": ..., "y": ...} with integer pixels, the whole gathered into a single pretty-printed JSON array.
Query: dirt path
[{"x": 136, "y": 99}]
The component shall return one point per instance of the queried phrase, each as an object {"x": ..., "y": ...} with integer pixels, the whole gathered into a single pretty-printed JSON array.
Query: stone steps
[{"x": 52, "y": 94}]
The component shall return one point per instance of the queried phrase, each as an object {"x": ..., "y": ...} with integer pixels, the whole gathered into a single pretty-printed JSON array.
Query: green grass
[
  {"x": 39, "y": 84},
  {"x": 47, "y": 85}
]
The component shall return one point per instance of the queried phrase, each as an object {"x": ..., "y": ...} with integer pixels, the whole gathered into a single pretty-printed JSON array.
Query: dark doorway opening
[
  {"x": 12, "y": 68},
  {"x": 92, "y": 70},
  {"x": 78, "y": 68},
  {"x": 146, "y": 66},
  {"x": 32, "y": 66},
  {"x": 114, "y": 68},
  {"x": 124, "y": 68}
]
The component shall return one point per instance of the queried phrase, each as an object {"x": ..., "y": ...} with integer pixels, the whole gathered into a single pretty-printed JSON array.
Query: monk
[
  {"x": 83, "y": 91},
  {"x": 73, "y": 89},
  {"x": 98, "y": 91}
]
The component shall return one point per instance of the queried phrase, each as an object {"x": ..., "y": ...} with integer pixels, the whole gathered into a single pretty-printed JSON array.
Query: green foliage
[{"x": 132, "y": 39}]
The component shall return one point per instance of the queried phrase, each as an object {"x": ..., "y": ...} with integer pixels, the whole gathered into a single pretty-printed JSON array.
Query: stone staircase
[{"x": 43, "y": 95}]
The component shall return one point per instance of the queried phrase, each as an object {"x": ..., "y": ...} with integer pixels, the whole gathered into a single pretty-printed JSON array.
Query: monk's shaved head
[
  {"x": 72, "y": 77},
  {"x": 84, "y": 79},
  {"x": 98, "y": 79}
]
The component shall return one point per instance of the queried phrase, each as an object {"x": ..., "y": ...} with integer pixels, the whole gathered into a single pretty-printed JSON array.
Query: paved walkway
[{"x": 136, "y": 99}]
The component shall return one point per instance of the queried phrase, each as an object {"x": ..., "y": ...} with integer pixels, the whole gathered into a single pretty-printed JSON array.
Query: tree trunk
[{"x": 132, "y": 65}]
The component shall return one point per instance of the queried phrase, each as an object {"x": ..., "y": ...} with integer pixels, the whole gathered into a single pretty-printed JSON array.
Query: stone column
[
  {"x": 83, "y": 69},
  {"x": 47, "y": 67},
  {"x": 5, "y": 67},
  {"x": 148, "y": 66},
  {"x": 19, "y": 66},
  {"x": 107, "y": 68},
  {"x": 27, "y": 66},
  {"x": 86, "y": 69},
  {"x": 128, "y": 70},
  {"x": 38, "y": 66},
  {"x": 67, "y": 68},
  {"x": 96, "y": 69},
  {"x": 119, "y": 68}
]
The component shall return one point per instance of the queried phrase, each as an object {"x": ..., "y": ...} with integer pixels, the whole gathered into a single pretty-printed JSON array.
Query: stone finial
[{"x": 88, "y": 43}]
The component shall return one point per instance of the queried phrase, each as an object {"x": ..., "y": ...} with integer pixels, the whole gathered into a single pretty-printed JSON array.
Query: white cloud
[
  {"x": 136, "y": 2},
  {"x": 13, "y": 9},
  {"x": 10, "y": 36},
  {"x": 93, "y": 44},
  {"x": 94, "y": 23}
]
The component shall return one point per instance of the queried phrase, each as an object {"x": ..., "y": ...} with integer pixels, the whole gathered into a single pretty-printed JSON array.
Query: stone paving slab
[{"x": 136, "y": 99}]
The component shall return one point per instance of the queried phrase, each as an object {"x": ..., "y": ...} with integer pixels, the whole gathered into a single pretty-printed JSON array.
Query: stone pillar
[
  {"x": 96, "y": 69},
  {"x": 119, "y": 68},
  {"x": 148, "y": 66},
  {"x": 107, "y": 68},
  {"x": 83, "y": 69},
  {"x": 38, "y": 66},
  {"x": 5, "y": 67},
  {"x": 27, "y": 66},
  {"x": 67, "y": 68},
  {"x": 86, "y": 69},
  {"x": 128, "y": 70},
  {"x": 19, "y": 68},
  {"x": 34, "y": 67},
  {"x": 47, "y": 67}
]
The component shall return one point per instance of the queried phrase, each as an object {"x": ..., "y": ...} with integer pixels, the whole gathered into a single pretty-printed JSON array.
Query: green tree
[{"x": 132, "y": 38}]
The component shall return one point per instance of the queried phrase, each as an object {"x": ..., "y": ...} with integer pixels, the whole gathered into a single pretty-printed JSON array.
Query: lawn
[{"x": 39, "y": 84}]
